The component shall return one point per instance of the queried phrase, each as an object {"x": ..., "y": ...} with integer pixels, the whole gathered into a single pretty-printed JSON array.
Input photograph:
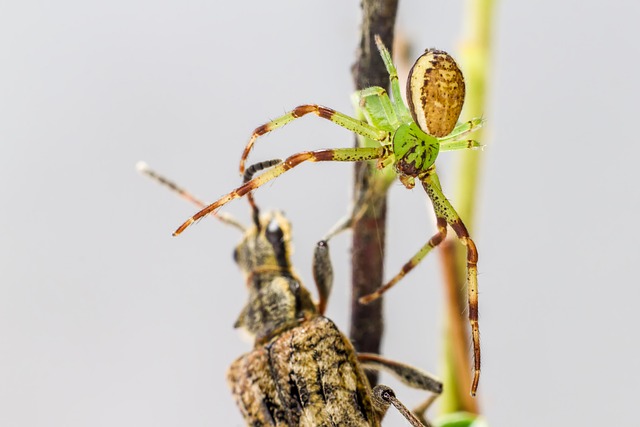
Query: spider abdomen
[{"x": 435, "y": 92}]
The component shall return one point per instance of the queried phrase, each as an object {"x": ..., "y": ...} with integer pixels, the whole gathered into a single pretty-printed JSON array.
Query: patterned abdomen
[{"x": 307, "y": 376}]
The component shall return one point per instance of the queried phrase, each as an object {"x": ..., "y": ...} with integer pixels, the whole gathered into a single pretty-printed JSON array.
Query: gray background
[{"x": 106, "y": 320}]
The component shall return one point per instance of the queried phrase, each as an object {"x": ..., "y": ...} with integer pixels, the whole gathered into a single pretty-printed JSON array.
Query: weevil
[{"x": 302, "y": 370}]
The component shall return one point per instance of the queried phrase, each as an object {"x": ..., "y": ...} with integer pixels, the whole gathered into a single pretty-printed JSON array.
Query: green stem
[{"x": 474, "y": 61}]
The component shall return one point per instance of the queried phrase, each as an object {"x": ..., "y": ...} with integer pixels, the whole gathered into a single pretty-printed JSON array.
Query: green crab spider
[{"x": 409, "y": 138}]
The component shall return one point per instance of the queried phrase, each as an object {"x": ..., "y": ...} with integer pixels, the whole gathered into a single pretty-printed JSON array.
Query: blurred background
[{"x": 105, "y": 319}]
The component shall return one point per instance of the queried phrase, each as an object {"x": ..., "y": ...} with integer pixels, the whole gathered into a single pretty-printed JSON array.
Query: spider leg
[
  {"x": 434, "y": 241},
  {"x": 459, "y": 144},
  {"x": 454, "y": 140},
  {"x": 431, "y": 185},
  {"x": 462, "y": 129},
  {"x": 376, "y": 107},
  {"x": 343, "y": 120},
  {"x": 446, "y": 215},
  {"x": 248, "y": 174},
  {"x": 401, "y": 109},
  {"x": 338, "y": 154}
]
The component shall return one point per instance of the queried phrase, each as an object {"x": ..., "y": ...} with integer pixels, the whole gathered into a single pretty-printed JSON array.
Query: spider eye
[
  {"x": 435, "y": 92},
  {"x": 235, "y": 255}
]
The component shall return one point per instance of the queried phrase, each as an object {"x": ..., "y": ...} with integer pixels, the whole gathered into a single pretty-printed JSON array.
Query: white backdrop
[{"x": 106, "y": 320}]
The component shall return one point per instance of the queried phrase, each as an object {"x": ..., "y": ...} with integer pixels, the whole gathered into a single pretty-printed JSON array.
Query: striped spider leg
[
  {"x": 322, "y": 268},
  {"x": 408, "y": 138}
]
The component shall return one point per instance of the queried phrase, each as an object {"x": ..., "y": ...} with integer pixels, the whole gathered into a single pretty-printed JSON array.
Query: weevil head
[
  {"x": 266, "y": 246},
  {"x": 277, "y": 300},
  {"x": 435, "y": 92},
  {"x": 414, "y": 150}
]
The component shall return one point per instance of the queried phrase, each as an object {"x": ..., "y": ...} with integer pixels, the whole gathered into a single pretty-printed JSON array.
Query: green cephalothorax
[
  {"x": 414, "y": 150},
  {"x": 392, "y": 133}
]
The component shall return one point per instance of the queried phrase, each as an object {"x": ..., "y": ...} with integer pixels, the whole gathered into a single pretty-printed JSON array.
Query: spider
[{"x": 409, "y": 139}]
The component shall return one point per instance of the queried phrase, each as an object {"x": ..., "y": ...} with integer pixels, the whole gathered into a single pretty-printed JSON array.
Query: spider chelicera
[{"x": 408, "y": 139}]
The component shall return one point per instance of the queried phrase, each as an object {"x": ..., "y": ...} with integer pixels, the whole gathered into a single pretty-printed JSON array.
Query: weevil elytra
[
  {"x": 302, "y": 370},
  {"x": 407, "y": 138}
]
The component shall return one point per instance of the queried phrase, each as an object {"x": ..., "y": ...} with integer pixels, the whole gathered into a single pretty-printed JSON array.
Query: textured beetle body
[
  {"x": 302, "y": 371},
  {"x": 306, "y": 376}
]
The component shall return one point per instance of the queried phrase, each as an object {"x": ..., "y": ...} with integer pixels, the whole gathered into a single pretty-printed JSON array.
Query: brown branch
[{"x": 378, "y": 17}]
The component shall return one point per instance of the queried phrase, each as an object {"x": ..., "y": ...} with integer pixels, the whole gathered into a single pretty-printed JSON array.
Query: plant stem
[
  {"x": 367, "y": 326},
  {"x": 474, "y": 62}
]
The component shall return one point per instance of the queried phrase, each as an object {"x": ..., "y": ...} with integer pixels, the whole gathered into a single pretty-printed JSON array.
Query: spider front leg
[
  {"x": 359, "y": 154},
  {"x": 401, "y": 110},
  {"x": 446, "y": 215},
  {"x": 431, "y": 184},
  {"x": 340, "y": 119}
]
